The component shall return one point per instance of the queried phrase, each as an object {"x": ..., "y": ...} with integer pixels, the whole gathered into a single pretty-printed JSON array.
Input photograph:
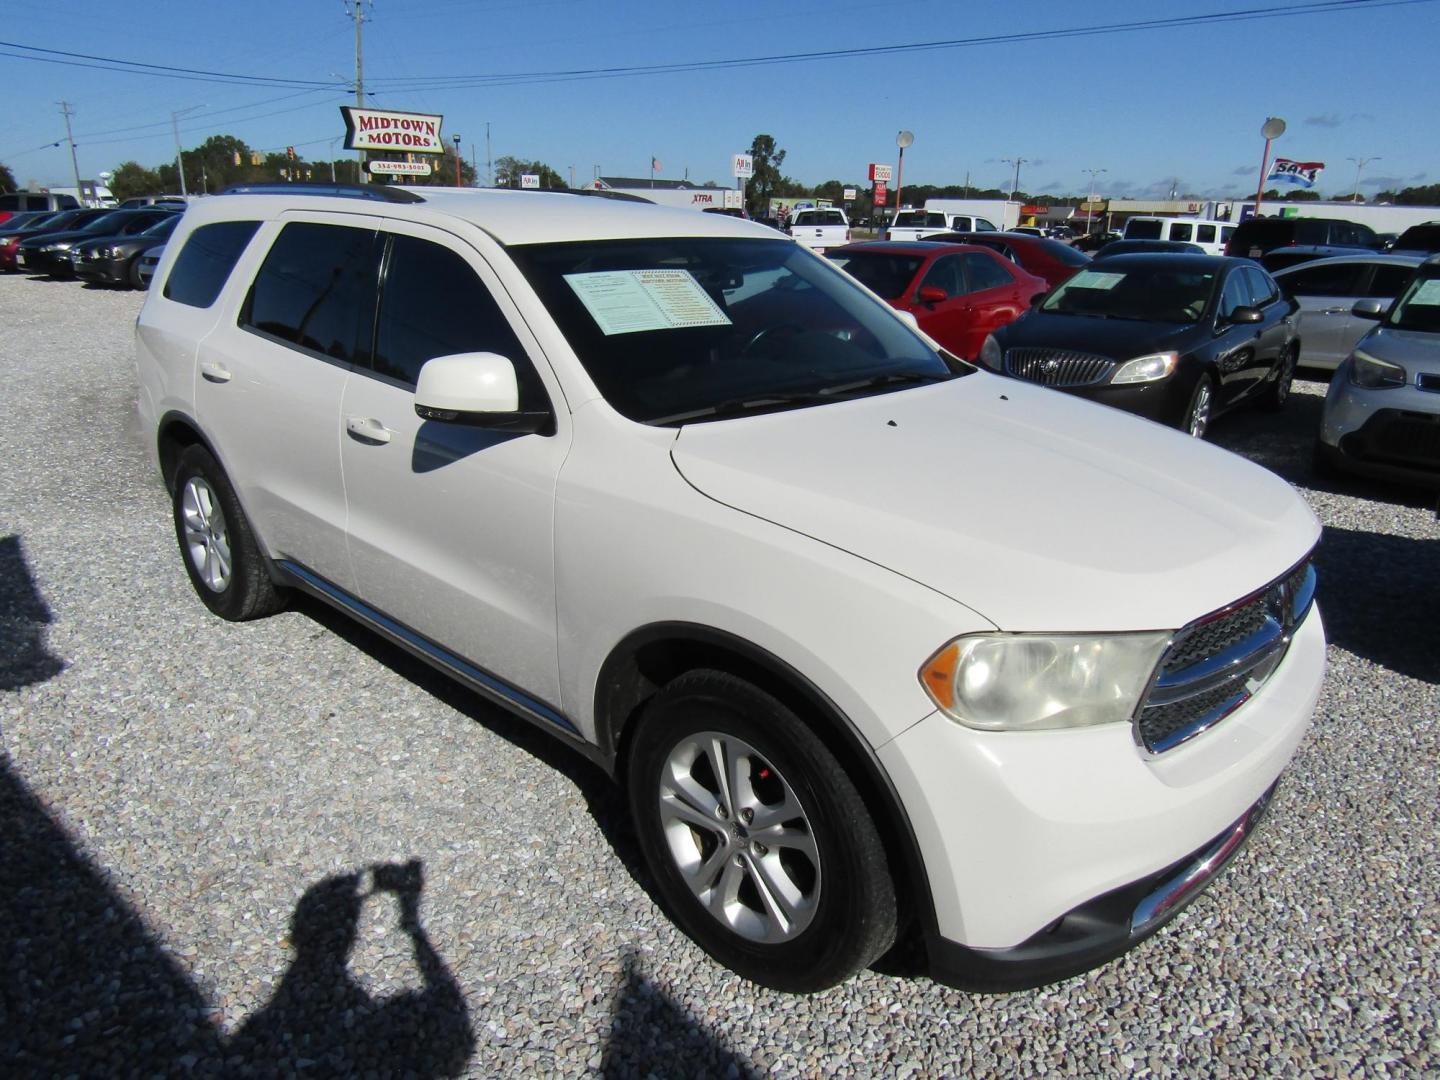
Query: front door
[{"x": 451, "y": 526}]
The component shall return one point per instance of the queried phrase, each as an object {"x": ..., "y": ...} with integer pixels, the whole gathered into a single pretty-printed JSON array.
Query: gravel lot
[{"x": 192, "y": 811}]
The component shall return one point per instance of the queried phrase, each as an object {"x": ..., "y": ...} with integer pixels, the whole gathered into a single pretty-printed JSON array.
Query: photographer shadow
[{"x": 322, "y": 1018}]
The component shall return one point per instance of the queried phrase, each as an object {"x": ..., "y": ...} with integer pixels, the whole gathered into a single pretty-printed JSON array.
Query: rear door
[
  {"x": 993, "y": 299},
  {"x": 1325, "y": 295},
  {"x": 1273, "y": 333}
]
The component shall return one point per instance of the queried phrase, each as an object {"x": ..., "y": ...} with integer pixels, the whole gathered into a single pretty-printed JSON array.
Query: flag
[
  {"x": 1300, "y": 173},
  {"x": 655, "y": 165}
]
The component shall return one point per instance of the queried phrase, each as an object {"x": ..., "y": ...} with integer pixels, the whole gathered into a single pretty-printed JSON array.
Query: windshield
[
  {"x": 1419, "y": 238},
  {"x": 163, "y": 227},
  {"x": 110, "y": 224},
  {"x": 681, "y": 328},
  {"x": 878, "y": 271},
  {"x": 1144, "y": 293},
  {"x": 1419, "y": 307},
  {"x": 1064, "y": 253}
]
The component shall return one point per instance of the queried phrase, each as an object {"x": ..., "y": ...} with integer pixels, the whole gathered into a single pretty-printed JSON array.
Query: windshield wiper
[{"x": 756, "y": 402}]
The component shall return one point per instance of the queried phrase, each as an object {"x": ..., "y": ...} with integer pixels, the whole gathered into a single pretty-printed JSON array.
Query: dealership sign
[
  {"x": 743, "y": 166},
  {"x": 401, "y": 168},
  {"x": 382, "y": 129}
]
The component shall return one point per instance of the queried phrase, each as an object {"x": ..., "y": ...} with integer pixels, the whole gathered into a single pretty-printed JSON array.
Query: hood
[
  {"x": 1121, "y": 339},
  {"x": 1035, "y": 509},
  {"x": 1411, "y": 349},
  {"x": 68, "y": 235}
]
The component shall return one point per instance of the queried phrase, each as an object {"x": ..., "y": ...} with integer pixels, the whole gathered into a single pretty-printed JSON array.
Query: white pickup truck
[
  {"x": 918, "y": 224},
  {"x": 820, "y": 228}
]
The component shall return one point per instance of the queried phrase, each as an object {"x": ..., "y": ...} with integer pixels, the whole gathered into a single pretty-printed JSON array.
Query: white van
[{"x": 1208, "y": 234}]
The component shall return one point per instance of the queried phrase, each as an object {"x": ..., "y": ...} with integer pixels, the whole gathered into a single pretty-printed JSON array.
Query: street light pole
[
  {"x": 179, "y": 157},
  {"x": 1360, "y": 163},
  {"x": 1272, "y": 129},
  {"x": 1017, "y": 162},
  {"x": 1090, "y": 202},
  {"x": 457, "y": 161},
  {"x": 902, "y": 140}
]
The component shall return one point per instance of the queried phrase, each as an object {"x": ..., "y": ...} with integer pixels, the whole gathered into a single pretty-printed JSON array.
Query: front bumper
[
  {"x": 1389, "y": 434},
  {"x": 1040, "y": 847},
  {"x": 1163, "y": 401},
  {"x": 109, "y": 270},
  {"x": 54, "y": 263}
]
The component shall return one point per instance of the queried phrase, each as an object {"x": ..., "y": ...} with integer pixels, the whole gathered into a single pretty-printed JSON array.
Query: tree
[
  {"x": 1302, "y": 195},
  {"x": 762, "y": 186},
  {"x": 508, "y": 171},
  {"x": 443, "y": 174},
  {"x": 1428, "y": 195},
  {"x": 132, "y": 178},
  {"x": 7, "y": 179}
]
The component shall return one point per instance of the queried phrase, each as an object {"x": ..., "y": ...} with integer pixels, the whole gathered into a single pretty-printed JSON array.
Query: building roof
[{"x": 628, "y": 182}]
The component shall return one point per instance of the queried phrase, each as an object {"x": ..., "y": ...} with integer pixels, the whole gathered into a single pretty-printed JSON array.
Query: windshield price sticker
[
  {"x": 633, "y": 301},
  {"x": 1094, "y": 279}
]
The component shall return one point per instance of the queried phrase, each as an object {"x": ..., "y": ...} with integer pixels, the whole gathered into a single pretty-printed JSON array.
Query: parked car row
[{"x": 101, "y": 246}]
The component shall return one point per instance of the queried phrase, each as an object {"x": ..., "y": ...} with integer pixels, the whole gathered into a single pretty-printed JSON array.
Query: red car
[
  {"x": 958, "y": 293},
  {"x": 1049, "y": 259}
]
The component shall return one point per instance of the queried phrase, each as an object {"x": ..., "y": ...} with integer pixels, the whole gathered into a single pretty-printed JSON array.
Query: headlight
[
  {"x": 1146, "y": 368},
  {"x": 1036, "y": 682},
  {"x": 1373, "y": 373},
  {"x": 991, "y": 355},
  {"x": 113, "y": 253}
]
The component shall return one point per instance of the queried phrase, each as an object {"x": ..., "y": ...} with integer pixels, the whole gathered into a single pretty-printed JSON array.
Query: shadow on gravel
[
  {"x": 87, "y": 990},
  {"x": 24, "y": 615},
  {"x": 602, "y": 796},
  {"x": 1379, "y": 595},
  {"x": 651, "y": 1035}
]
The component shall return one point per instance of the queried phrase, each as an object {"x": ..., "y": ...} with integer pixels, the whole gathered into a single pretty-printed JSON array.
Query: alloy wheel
[
  {"x": 1199, "y": 419},
  {"x": 207, "y": 540},
  {"x": 739, "y": 837}
]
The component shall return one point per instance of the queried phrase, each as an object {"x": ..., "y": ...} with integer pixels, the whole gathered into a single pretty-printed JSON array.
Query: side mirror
[
  {"x": 932, "y": 294},
  {"x": 1370, "y": 309},
  {"x": 479, "y": 389},
  {"x": 1246, "y": 314}
]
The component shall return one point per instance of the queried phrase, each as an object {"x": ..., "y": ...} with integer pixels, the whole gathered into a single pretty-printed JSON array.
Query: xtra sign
[{"x": 379, "y": 129}]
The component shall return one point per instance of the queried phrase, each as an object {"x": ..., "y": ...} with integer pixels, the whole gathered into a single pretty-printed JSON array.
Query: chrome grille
[
  {"x": 1214, "y": 665},
  {"x": 1057, "y": 367}
]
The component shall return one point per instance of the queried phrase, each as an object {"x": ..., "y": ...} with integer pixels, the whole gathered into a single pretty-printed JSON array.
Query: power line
[{"x": 138, "y": 67}]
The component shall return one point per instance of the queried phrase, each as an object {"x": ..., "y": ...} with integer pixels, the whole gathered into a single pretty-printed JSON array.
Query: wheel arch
[
  {"x": 650, "y": 657},
  {"x": 174, "y": 434}
]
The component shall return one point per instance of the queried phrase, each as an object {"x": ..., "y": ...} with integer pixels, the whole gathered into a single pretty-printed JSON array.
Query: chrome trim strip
[
  {"x": 482, "y": 680},
  {"x": 1195, "y": 727},
  {"x": 1214, "y": 671},
  {"x": 1199, "y": 871}
]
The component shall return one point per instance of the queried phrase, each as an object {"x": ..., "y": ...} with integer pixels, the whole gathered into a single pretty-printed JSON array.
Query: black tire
[
  {"x": 132, "y": 274},
  {"x": 216, "y": 543},
  {"x": 1202, "y": 398},
  {"x": 828, "y": 851},
  {"x": 1277, "y": 393}
]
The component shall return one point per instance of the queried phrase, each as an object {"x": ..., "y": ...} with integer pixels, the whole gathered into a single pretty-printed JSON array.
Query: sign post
[{"x": 743, "y": 166}]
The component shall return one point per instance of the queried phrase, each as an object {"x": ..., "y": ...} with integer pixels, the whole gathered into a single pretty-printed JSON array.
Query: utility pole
[
  {"x": 358, "y": 14},
  {"x": 1017, "y": 162},
  {"x": 489, "y": 164},
  {"x": 1090, "y": 202},
  {"x": 74, "y": 161},
  {"x": 179, "y": 157}
]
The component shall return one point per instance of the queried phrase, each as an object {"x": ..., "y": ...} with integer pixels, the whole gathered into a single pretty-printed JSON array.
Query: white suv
[{"x": 878, "y": 643}]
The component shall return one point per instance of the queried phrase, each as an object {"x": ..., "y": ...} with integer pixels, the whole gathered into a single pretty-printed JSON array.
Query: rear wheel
[
  {"x": 1277, "y": 393},
  {"x": 132, "y": 274},
  {"x": 221, "y": 556},
  {"x": 761, "y": 846},
  {"x": 1195, "y": 421}
]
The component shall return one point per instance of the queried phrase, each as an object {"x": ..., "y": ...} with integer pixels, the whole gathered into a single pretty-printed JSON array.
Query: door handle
[
  {"x": 367, "y": 429},
  {"x": 215, "y": 372}
]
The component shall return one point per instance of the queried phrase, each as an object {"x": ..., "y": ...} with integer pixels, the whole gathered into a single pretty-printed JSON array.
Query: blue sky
[{"x": 1150, "y": 107}]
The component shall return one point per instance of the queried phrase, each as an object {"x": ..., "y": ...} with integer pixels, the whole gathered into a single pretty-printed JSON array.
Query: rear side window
[
  {"x": 1342, "y": 279},
  {"x": 982, "y": 272},
  {"x": 1260, "y": 285},
  {"x": 981, "y": 225},
  {"x": 433, "y": 304},
  {"x": 1138, "y": 229},
  {"x": 1204, "y": 234},
  {"x": 315, "y": 287},
  {"x": 204, "y": 263},
  {"x": 1181, "y": 231}
]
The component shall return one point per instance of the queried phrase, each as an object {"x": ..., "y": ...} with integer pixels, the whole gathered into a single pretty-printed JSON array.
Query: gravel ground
[{"x": 201, "y": 819}]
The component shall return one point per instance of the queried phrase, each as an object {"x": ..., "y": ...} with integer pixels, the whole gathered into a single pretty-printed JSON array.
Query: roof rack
[
  {"x": 618, "y": 196},
  {"x": 377, "y": 192}
]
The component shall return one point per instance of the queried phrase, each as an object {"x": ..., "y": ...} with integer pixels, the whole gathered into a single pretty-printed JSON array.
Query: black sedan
[
  {"x": 49, "y": 253},
  {"x": 58, "y": 221},
  {"x": 1148, "y": 247},
  {"x": 115, "y": 260},
  {"x": 1176, "y": 338}
]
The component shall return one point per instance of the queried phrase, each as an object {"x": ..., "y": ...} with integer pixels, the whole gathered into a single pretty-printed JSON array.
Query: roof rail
[
  {"x": 377, "y": 192},
  {"x": 618, "y": 196}
]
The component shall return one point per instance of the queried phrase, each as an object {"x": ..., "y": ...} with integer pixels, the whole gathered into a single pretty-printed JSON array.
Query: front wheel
[
  {"x": 760, "y": 845},
  {"x": 220, "y": 552},
  {"x": 1195, "y": 421}
]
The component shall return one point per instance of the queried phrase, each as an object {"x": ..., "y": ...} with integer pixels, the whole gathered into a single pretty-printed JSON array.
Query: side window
[
  {"x": 1341, "y": 280},
  {"x": 1343, "y": 233},
  {"x": 945, "y": 273},
  {"x": 1236, "y": 294},
  {"x": 1181, "y": 230},
  {"x": 983, "y": 272},
  {"x": 209, "y": 254},
  {"x": 1389, "y": 281},
  {"x": 432, "y": 304},
  {"x": 1226, "y": 232},
  {"x": 981, "y": 225},
  {"x": 1204, "y": 234},
  {"x": 316, "y": 288},
  {"x": 1261, "y": 287}
]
